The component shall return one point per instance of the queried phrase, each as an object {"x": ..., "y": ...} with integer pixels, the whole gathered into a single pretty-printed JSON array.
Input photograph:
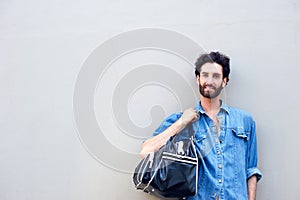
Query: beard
[{"x": 212, "y": 93}]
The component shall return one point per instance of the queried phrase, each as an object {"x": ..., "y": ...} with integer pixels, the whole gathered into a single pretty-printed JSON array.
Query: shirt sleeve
[
  {"x": 167, "y": 123},
  {"x": 252, "y": 155}
]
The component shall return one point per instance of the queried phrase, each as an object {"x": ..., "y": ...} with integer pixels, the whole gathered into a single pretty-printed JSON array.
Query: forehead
[{"x": 211, "y": 68}]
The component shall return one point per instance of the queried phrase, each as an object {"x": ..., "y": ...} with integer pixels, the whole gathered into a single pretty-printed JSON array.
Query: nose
[{"x": 209, "y": 80}]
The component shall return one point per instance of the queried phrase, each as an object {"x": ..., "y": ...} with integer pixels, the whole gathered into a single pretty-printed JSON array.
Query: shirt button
[
  {"x": 220, "y": 180},
  {"x": 218, "y": 152},
  {"x": 220, "y": 166}
]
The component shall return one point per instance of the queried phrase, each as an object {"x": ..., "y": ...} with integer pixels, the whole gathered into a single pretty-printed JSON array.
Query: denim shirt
[{"x": 227, "y": 161}]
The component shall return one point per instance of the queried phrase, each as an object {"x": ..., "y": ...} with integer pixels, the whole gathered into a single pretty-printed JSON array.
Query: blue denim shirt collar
[{"x": 224, "y": 107}]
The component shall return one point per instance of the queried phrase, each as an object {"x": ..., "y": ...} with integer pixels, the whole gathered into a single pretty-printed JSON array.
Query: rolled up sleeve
[{"x": 254, "y": 171}]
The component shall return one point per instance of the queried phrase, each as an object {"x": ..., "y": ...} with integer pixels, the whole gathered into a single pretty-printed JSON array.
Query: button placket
[
  {"x": 219, "y": 152},
  {"x": 219, "y": 164}
]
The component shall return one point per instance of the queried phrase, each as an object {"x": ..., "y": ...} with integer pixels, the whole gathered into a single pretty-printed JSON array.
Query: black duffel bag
[{"x": 172, "y": 171}]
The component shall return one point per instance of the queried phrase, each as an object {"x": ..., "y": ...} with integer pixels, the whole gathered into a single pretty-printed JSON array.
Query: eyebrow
[
  {"x": 217, "y": 74},
  {"x": 213, "y": 73}
]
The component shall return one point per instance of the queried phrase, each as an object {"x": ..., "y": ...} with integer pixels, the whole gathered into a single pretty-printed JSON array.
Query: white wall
[{"x": 44, "y": 45}]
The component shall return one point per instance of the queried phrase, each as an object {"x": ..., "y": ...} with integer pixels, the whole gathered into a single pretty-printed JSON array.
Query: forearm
[
  {"x": 156, "y": 142},
  {"x": 251, "y": 185}
]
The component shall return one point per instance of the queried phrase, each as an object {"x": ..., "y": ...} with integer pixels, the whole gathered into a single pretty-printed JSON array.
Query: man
[{"x": 225, "y": 140}]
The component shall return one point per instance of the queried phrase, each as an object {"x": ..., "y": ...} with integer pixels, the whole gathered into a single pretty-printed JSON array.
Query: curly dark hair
[{"x": 214, "y": 57}]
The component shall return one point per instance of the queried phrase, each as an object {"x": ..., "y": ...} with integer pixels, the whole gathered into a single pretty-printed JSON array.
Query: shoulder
[
  {"x": 241, "y": 114},
  {"x": 238, "y": 111},
  {"x": 173, "y": 117}
]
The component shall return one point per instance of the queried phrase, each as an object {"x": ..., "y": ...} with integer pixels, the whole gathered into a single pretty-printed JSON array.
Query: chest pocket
[
  {"x": 240, "y": 138},
  {"x": 204, "y": 143}
]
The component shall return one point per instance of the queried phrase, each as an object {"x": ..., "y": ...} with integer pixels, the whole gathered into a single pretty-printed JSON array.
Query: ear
[
  {"x": 224, "y": 83},
  {"x": 198, "y": 79}
]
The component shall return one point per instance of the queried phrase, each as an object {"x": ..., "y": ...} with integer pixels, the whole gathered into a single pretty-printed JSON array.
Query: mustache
[{"x": 210, "y": 86}]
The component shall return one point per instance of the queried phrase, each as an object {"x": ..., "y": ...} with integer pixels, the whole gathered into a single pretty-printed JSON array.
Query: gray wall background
[{"x": 43, "y": 45}]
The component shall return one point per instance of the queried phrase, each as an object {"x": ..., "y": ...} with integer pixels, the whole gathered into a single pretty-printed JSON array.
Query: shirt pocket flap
[
  {"x": 240, "y": 132},
  {"x": 200, "y": 138}
]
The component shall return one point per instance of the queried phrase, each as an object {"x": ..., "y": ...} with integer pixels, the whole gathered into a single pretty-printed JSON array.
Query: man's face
[{"x": 211, "y": 81}]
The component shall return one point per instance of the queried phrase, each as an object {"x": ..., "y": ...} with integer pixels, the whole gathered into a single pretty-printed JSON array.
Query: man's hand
[{"x": 189, "y": 115}]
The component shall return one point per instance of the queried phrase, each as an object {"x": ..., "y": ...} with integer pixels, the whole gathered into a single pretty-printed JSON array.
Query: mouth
[{"x": 209, "y": 88}]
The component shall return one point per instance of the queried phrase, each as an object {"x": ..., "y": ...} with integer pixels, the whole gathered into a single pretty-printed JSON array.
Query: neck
[{"x": 210, "y": 105}]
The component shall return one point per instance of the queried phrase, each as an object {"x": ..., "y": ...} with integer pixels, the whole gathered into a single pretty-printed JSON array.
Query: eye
[
  {"x": 204, "y": 75},
  {"x": 217, "y": 76}
]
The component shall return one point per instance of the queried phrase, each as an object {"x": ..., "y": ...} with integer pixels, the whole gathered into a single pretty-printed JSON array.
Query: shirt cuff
[{"x": 254, "y": 171}]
